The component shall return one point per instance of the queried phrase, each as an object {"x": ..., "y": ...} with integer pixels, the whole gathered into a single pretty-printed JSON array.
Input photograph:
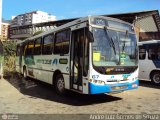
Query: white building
[
  {"x": 32, "y": 18},
  {"x": 0, "y": 15},
  {"x": 4, "y": 30}
]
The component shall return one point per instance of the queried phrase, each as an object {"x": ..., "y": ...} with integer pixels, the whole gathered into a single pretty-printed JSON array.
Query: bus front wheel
[
  {"x": 59, "y": 84},
  {"x": 155, "y": 77}
]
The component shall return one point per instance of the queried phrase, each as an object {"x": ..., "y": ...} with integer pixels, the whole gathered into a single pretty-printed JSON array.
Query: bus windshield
[{"x": 113, "y": 48}]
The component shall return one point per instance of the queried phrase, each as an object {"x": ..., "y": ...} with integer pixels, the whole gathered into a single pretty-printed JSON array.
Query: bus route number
[{"x": 95, "y": 76}]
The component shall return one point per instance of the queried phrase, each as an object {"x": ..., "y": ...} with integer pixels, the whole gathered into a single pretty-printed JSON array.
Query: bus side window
[
  {"x": 37, "y": 46},
  {"x": 153, "y": 52},
  {"x": 30, "y": 48},
  {"x": 48, "y": 42},
  {"x": 62, "y": 39},
  {"x": 25, "y": 49},
  {"x": 142, "y": 53}
]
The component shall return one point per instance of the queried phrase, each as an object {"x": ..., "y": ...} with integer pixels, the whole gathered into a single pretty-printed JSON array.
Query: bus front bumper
[{"x": 119, "y": 87}]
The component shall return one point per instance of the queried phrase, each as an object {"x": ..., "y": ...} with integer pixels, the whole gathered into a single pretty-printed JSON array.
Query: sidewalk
[
  {"x": 10, "y": 98},
  {"x": 8, "y": 91}
]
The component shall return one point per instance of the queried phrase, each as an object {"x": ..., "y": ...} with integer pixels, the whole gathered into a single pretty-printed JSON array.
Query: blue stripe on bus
[{"x": 97, "y": 89}]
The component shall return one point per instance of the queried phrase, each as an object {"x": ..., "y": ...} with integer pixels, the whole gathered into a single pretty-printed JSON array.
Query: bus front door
[
  {"x": 20, "y": 63},
  {"x": 77, "y": 59}
]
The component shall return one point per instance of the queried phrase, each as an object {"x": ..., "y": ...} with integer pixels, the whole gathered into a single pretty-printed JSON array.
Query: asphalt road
[{"x": 34, "y": 97}]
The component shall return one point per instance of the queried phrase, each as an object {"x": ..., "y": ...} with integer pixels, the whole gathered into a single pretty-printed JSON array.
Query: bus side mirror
[{"x": 90, "y": 36}]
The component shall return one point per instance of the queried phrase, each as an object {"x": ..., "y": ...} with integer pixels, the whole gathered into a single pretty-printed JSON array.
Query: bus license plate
[{"x": 118, "y": 87}]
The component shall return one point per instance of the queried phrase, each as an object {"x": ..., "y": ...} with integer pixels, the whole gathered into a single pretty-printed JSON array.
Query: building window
[
  {"x": 48, "y": 44},
  {"x": 62, "y": 39}
]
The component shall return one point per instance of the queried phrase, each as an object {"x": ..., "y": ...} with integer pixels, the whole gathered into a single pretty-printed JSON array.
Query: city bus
[
  {"x": 90, "y": 55},
  {"x": 149, "y": 61}
]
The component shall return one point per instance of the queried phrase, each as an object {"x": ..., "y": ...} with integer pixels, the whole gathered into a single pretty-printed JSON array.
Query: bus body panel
[{"x": 120, "y": 85}]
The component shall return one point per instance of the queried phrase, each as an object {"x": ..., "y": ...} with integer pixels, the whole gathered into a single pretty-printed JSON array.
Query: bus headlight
[{"x": 97, "y": 82}]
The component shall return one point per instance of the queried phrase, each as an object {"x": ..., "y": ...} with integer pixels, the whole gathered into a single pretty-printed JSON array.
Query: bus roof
[
  {"x": 149, "y": 42},
  {"x": 80, "y": 20}
]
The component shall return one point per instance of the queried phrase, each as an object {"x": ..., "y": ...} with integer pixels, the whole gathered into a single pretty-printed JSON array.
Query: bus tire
[
  {"x": 155, "y": 78},
  {"x": 25, "y": 73},
  {"x": 59, "y": 84}
]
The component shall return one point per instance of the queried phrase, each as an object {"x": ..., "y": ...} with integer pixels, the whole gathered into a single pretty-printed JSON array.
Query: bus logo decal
[
  {"x": 112, "y": 76},
  {"x": 55, "y": 62}
]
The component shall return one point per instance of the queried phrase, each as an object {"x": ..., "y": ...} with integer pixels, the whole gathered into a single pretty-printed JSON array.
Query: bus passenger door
[
  {"x": 19, "y": 58},
  {"x": 78, "y": 61}
]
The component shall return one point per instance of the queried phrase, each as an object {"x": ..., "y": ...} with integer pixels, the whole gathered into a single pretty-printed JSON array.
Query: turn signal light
[{"x": 134, "y": 85}]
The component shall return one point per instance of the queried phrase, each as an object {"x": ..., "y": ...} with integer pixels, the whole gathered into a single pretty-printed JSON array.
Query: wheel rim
[
  {"x": 156, "y": 78},
  {"x": 24, "y": 74},
  {"x": 60, "y": 84}
]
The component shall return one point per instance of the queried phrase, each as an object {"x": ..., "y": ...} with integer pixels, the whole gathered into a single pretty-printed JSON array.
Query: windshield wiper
[
  {"x": 110, "y": 40},
  {"x": 124, "y": 44}
]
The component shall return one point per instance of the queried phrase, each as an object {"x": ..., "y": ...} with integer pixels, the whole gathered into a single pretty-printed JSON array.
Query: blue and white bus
[
  {"x": 149, "y": 61},
  {"x": 90, "y": 55}
]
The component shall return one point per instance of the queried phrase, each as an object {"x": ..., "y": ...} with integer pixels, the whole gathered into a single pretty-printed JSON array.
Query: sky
[{"x": 64, "y": 9}]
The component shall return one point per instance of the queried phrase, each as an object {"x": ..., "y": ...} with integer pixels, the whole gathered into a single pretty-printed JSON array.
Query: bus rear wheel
[
  {"x": 155, "y": 77},
  {"x": 59, "y": 84}
]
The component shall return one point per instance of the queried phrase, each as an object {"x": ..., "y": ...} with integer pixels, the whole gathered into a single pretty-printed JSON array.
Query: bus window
[
  {"x": 48, "y": 44},
  {"x": 37, "y": 46},
  {"x": 142, "y": 52},
  {"x": 25, "y": 49},
  {"x": 30, "y": 48},
  {"x": 154, "y": 52},
  {"x": 62, "y": 42}
]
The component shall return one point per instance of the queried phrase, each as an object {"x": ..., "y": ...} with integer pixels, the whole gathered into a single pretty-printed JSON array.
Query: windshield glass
[{"x": 112, "y": 48}]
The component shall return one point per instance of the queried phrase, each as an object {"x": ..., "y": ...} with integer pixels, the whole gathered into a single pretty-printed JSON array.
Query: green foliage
[
  {"x": 9, "y": 48},
  {"x": 9, "y": 51}
]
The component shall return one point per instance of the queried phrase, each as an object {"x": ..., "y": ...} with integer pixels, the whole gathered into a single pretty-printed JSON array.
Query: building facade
[
  {"x": 147, "y": 24},
  {"x": 32, "y": 18},
  {"x": 0, "y": 15},
  {"x": 4, "y": 31}
]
